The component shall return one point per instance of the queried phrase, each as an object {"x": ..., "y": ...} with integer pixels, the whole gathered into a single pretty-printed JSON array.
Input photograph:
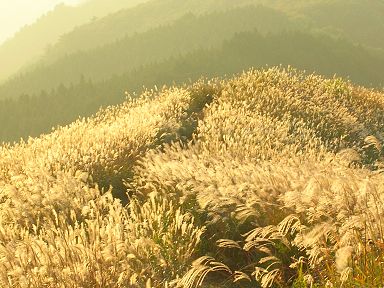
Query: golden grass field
[{"x": 272, "y": 178}]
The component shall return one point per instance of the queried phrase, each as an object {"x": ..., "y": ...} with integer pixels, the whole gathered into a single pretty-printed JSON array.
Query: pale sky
[{"x": 14, "y": 14}]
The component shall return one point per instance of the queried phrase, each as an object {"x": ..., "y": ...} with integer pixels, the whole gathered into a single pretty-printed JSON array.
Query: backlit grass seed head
[{"x": 272, "y": 165}]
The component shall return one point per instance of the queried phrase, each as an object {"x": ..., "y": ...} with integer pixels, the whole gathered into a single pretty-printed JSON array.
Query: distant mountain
[
  {"x": 133, "y": 21},
  {"x": 33, "y": 40},
  {"x": 179, "y": 38},
  {"x": 360, "y": 21}
]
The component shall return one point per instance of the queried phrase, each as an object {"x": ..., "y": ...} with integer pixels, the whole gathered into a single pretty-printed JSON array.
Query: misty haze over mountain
[{"x": 78, "y": 58}]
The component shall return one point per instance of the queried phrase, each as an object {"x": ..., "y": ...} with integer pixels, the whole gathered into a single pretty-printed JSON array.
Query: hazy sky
[{"x": 14, "y": 14}]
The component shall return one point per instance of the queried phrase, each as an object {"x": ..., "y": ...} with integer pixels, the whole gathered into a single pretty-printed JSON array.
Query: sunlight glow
[{"x": 17, "y": 13}]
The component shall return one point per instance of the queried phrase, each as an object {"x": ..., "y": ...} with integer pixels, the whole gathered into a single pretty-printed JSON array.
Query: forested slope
[
  {"x": 29, "y": 115},
  {"x": 359, "y": 21},
  {"x": 150, "y": 47}
]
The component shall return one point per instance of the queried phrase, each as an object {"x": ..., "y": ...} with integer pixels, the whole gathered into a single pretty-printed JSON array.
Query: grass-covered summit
[{"x": 269, "y": 178}]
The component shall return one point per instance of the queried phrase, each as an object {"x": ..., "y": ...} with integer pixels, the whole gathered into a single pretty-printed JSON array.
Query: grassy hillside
[
  {"x": 270, "y": 178},
  {"x": 29, "y": 116},
  {"x": 32, "y": 41}
]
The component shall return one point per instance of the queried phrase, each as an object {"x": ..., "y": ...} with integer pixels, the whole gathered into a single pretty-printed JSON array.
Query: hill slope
[{"x": 257, "y": 170}]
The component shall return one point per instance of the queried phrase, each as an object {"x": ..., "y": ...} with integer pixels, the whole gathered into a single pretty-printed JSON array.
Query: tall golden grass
[{"x": 272, "y": 178}]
